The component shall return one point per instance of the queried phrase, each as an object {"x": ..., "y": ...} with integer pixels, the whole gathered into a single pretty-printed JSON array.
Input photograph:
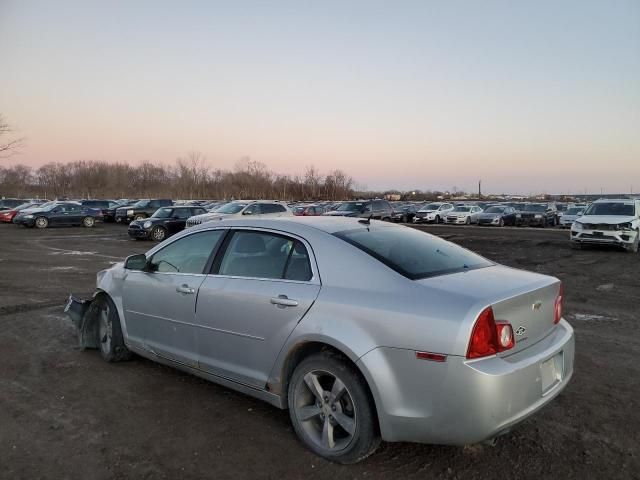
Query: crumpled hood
[{"x": 607, "y": 219}]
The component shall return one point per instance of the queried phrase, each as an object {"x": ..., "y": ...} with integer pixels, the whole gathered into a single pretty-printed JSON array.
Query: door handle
[
  {"x": 184, "y": 288},
  {"x": 284, "y": 301}
]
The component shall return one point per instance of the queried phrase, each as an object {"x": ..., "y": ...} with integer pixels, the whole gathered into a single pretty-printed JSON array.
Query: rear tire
[
  {"x": 139, "y": 217},
  {"x": 437, "y": 219},
  {"x": 331, "y": 409},
  {"x": 501, "y": 223},
  {"x": 41, "y": 222},
  {"x": 88, "y": 222},
  {"x": 110, "y": 339}
]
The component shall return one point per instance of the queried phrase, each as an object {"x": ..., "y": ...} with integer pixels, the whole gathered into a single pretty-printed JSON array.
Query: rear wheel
[
  {"x": 331, "y": 409},
  {"x": 42, "y": 222},
  {"x": 88, "y": 222},
  {"x": 158, "y": 234},
  {"x": 501, "y": 223}
]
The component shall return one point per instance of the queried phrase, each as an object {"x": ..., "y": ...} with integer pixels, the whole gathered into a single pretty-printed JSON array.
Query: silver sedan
[{"x": 364, "y": 330}]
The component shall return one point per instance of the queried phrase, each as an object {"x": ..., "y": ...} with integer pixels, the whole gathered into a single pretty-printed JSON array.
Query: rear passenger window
[{"x": 265, "y": 255}]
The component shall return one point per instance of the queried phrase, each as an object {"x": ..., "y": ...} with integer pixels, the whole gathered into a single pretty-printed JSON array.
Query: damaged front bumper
[{"x": 83, "y": 316}]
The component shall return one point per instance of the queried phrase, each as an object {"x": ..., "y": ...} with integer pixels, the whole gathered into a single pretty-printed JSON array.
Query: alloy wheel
[
  {"x": 42, "y": 222},
  {"x": 105, "y": 330},
  {"x": 88, "y": 222},
  {"x": 158, "y": 234},
  {"x": 325, "y": 409}
]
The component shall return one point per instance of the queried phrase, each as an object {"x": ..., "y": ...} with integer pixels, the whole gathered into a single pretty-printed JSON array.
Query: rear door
[{"x": 261, "y": 286}]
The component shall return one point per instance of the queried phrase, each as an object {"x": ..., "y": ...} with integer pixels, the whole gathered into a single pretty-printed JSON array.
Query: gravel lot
[{"x": 66, "y": 414}]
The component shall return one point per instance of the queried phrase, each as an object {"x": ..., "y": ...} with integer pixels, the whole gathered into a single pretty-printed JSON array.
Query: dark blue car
[{"x": 62, "y": 214}]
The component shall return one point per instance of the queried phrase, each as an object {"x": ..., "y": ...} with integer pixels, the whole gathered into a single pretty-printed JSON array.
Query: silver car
[{"x": 364, "y": 330}]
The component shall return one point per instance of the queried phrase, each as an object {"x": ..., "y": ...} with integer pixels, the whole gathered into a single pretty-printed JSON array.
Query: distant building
[{"x": 392, "y": 197}]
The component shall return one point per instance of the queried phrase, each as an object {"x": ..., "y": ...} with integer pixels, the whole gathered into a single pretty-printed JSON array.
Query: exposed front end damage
[{"x": 84, "y": 318}]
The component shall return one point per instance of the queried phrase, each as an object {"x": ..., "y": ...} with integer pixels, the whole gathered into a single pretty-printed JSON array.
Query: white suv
[
  {"x": 609, "y": 222},
  {"x": 238, "y": 208}
]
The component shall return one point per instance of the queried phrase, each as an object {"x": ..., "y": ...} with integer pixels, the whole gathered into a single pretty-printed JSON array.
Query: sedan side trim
[{"x": 230, "y": 332}]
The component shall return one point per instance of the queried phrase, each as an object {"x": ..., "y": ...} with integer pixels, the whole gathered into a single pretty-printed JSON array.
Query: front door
[
  {"x": 261, "y": 288},
  {"x": 159, "y": 304}
]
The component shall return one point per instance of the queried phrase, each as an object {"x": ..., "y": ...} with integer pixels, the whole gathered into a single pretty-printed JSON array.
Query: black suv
[
  {"x": 164, "y": 222},
  {"x": 141, "y": 210},
  {"x": 537, "y": 215},
  {"x": 376, "y": 209}
]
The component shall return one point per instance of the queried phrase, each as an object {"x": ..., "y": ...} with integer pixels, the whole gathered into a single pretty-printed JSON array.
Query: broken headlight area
[{"x": 83, "y": 316}]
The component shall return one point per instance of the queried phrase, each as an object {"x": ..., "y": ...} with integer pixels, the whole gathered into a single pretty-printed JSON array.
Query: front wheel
[
  {"x": 467, "y": 221},
  {"x": 633, "y": 248},
  {"x": 437, "y": 219},
  {"x": 158, "y": 234},
  {"x": 110, "y": 339},
  {"x": 501, "y": 223},
  {"x": 42, "y": 222},
  {"x": 139, "y": 217},
  {"x": 88, "y": 222},
  {"x": 331, "y": 409}
]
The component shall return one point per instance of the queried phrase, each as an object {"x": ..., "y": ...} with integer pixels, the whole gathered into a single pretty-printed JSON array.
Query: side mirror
[{"x": 136, "y": 262}]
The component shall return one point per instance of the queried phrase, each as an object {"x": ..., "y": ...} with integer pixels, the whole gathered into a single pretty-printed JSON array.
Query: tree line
[{"x": 191, "y": 177}]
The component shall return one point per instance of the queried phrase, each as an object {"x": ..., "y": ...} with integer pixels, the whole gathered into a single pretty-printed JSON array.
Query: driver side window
[{"x": 187, "y": 255}]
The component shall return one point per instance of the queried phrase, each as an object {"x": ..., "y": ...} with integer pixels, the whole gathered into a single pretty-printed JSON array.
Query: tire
[
  {"x": 467, "y": 221},
  {"x": 41, "y": 222},
  {"x": 110, "y": 339},
  {"x": 501, "y": 223},
  {"x": 633, "y": 248},
  {"x": 139, "y": 217},
  {"x": 437, "y": 220},
  {"x": 88, "y": 222},
  {"x": 158, "y": 234},
  {"x": 356, "y": 435}
]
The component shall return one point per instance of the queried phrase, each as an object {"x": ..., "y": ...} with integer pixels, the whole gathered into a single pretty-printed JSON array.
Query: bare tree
[{"x": 8, "y": 146}]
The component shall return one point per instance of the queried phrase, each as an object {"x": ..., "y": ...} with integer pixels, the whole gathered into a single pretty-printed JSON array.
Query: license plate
[{"x": 551, "y": 372}]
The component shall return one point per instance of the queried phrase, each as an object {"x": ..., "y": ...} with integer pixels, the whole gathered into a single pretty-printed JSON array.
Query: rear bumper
[{"x": 459, "y": 402}]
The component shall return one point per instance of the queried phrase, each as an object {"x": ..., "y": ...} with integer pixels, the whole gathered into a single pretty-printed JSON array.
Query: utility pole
[{"x": 479, "y": 189}]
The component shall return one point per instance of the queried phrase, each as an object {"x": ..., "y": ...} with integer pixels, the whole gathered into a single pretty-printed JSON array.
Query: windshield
[
  {"x": 351, "y": 207},
  {"x": 142, "y": 204},
  {"x": 25, "y": 205},
  {"x": 574, "y": 211},
  {"x": 431, "y": 206},
  {"x": 162, "y": 213},
  {"x": 413, "y": 253},
  {"x": 231, "y": 208},
  {"x": 462, "y": 209},
  {"x": 494, "y": 210},
  {"x": 535, "y": 208},
  {"x": 612, "y": 208}
]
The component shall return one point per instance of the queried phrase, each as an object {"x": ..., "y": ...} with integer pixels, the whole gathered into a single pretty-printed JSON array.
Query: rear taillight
[
  {"x": 489, "y": 337},
  {"x": 557, "y": 308}
]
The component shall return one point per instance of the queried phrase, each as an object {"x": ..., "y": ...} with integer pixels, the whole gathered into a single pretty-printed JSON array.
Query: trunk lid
[{"x": 525, "y": 299}]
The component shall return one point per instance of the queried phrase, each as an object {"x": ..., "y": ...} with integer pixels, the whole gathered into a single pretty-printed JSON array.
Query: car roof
[
  {"x": 615, "y": 200},
  {"x": 328, "y": 224}
]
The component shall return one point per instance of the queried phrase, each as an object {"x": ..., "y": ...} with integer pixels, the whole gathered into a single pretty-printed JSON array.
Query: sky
[{"x": 530, "y": 96}]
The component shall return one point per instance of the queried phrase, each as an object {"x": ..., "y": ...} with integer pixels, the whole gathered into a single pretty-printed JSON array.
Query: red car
[
  {"x": 6, "y": 216},
  {"x": 308, "y": 210}
]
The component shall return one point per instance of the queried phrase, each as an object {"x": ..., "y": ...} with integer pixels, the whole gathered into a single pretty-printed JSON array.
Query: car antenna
[{"x": 366, "y": 221}]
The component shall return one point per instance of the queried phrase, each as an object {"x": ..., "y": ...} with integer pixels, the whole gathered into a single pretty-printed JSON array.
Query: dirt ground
[{"x": 65, "y": 414}]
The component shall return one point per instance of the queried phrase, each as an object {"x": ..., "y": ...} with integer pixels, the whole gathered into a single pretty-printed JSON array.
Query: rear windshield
[
  {"x": 613, "y": 208},
  {"x": 351, "y": 207},
  {"x": 413, "y": 253},
  {"x": 494, "y": 210}
]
